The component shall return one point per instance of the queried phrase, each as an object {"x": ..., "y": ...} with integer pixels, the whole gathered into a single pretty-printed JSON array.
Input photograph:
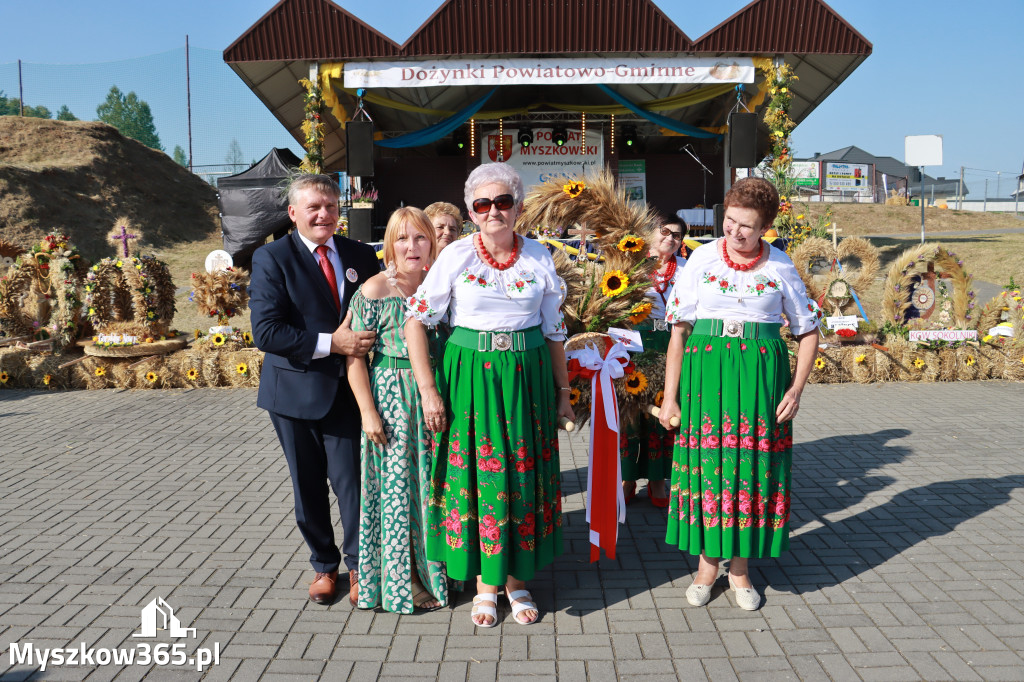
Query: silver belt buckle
[
  {"x": 660, "y": 326},
  {"x": 733, "y": 328},
  {"x": 501, "y": 341}
]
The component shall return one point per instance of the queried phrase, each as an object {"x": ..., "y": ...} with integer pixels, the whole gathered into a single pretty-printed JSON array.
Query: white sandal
[
  {"x": 520, "y": 606},
  {"x": 485, "y": 604}
]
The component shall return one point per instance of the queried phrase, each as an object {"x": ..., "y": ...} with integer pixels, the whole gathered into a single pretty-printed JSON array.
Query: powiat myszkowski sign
[{"x": 568, "y": 71}]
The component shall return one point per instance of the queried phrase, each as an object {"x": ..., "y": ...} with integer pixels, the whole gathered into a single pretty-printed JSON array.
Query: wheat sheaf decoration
[
  {"x": 606, "y": 292},
  {"x": 913, "y": 263}
]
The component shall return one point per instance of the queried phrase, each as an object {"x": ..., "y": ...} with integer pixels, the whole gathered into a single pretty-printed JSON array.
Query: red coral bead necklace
[
  {"x": 661, "y": 280},
  {"x": 745, "y": 266},
  {"x": 489, "y": 259}
]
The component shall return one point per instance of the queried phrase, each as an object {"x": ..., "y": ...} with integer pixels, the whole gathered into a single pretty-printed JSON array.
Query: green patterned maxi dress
[{"x": 395, "y": 478}]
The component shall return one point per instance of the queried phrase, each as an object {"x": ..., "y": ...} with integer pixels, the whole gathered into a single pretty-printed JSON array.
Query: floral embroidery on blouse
[
  {"x": 469, "y": 278},
  {"x": 813, "y": 308},
  {"x": 762, "y": 285},
  {"x": 420, "y": 305},
  {"x": 518, "y": 285},
  {"x": 723, "y": 284}
]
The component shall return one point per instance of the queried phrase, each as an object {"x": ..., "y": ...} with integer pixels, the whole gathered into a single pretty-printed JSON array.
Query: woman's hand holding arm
[
  {"x": 434, "y": 412},
  {"x": 806, "y": 352}
]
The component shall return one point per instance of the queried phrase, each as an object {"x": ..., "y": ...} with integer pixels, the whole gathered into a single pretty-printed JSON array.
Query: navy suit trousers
[{"x": 319, "y": 451}]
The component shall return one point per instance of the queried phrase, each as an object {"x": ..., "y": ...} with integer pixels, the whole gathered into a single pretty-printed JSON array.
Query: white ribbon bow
[{"x": 607, "y": 368}]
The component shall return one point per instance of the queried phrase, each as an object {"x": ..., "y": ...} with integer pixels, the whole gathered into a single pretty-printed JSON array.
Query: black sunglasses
[
  {"x": 503, "y": 201},
  {"x": 665, "y": 232}
]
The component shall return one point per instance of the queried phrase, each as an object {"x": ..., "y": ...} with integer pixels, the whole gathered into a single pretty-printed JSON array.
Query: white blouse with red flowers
[
  {"x": 658, "y": 300},
  {"x": 710, "y": 289},
  {"x": 478, "y": 296}
]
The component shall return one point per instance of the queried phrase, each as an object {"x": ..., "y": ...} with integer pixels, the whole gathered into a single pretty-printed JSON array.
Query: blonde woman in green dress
[{"x": 396, "y": 446}]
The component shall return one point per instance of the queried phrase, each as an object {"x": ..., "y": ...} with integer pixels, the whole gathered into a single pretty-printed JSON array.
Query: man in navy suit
[{"x": 299, "y": 293}]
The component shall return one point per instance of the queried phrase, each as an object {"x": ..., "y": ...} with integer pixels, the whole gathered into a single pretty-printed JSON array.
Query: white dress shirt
[{"x": 323, "y": 341}]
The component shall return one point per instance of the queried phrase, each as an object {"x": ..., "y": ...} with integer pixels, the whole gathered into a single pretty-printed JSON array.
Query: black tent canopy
[{"x": 253, "y": 204}]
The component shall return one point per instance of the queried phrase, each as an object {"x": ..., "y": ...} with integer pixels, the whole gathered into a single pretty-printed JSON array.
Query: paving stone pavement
[{"x": 907, "y": 556}]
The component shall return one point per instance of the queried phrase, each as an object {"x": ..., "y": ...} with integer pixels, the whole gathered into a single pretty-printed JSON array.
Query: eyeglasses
[
  {"x": 665, "y": 232},
  {"x": 503, "y": 201}
]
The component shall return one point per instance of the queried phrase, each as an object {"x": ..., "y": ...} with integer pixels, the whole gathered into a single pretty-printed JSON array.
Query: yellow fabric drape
[{"x": 331, "y": 73}]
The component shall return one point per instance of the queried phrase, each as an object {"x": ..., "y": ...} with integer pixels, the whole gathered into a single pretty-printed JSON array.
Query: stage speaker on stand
[
  {"x": 359, "y": 148},
  {"x": 742, "y": 151},
  {"x": 360, "y": 222},
  {"x": 719, "y": 220}
]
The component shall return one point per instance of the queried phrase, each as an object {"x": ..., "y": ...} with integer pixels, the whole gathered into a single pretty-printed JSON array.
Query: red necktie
[{"x": 328, "y": 270}]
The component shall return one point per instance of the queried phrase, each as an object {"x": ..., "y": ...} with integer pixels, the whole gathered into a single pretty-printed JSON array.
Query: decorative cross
[
  {"x": 835, "y": 240},
  {"x": 581, "y": 233},
  {"x": 122, "y": 235}
]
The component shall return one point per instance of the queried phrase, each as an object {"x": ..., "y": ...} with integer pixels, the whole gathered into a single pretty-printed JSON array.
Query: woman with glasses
[
  {"x": 645, "y": 447},
  {"x": 495, "y": 508},
  {"x": 447, "y": 221},
  {"x": 731, "y": 472}
]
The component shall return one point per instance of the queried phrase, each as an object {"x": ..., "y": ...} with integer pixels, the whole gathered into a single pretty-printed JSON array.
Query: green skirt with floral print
[
  {"x": 732, "y": 462},
  {"x": 496, "y": 504}
]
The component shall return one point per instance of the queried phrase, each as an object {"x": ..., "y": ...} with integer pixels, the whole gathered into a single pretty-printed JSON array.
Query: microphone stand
[{"x": 707, "y": 171}]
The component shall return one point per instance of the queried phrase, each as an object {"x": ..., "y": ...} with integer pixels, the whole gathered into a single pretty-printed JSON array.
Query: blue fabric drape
[
  {"x": 438, "y": 130},
  {"x": 663, "y": 121}
]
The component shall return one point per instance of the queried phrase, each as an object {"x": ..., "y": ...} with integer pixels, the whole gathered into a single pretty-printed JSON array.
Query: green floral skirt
[
  {"x": 496, "y": 505},
  {"x": 732, "y": 462},
  {"x": 645, "y": 450}
]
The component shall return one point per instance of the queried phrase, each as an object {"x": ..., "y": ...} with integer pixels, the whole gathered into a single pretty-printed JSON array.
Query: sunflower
[
  {"x": 100, "y": 371},
  {"x": 152, "y": 377},
  {"x": 247, "y": 337},
  {"x": 47, "y": 378},
  {"x": 918, "y": 362},
  {"x": 574, "y": 396},
  {"x": 639, "y": 312},
  {"x": 4, "y": 377},
  {"x": 631, "y": 243},
  {"x": 192, "y": 374},
  {"x": 860, "y": 358},
  {"x": 218, "y": 339},
  {"x": 819, "y": 363},
  {"x": 242, "y": 368},
  {"x": 636, "y": 383},
  {"x": 574, "y": 189},
  {"x": 970, "y": 360},
  {"x": 659, "y": 398},
  {"x": 614, "y": 283}
]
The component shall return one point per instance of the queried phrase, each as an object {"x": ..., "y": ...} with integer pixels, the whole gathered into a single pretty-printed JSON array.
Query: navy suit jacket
[{"x": 291, "y": 303}]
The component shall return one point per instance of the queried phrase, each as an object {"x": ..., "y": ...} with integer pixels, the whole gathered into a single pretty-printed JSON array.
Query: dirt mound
[{"x": 79, "y": 177}]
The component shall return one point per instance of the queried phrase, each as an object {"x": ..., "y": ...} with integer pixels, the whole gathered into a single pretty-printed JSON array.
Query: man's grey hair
[
  {"x": 494, "y": 172},
  {"x": 322, "y": 183}
]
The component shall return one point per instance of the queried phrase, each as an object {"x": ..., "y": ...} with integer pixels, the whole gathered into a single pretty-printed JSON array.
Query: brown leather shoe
[
  {"x": 353, "y": 587},
  {"x": 324, "y": 588}
]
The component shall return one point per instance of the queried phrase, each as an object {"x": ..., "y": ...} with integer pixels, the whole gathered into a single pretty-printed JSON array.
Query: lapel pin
[{"x": 351, "y": 275}]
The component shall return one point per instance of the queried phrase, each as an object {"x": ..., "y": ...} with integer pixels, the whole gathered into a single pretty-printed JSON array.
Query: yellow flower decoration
[
  {"x": 631, "y": 243},
  {"x": 197, "y": 334},
  {"x": 636, "y": 383},
  {"x": 1022, "y": 360},
  {"x": 247, "y": 337},
  {"x": 574, "y": 396},
  {"x": 574, "y": 189},
  {"x": 218, "y": 339},
  {"x": 860, "y": 358},
  {"x": 639, "y": 312},
  {"x": 987, "y": 338},
  {"x": 819, "y": 363},
  {"x": 659, "y": 398},
  {"x": 242, "y": 368},
  {"x": 47, "y": 378},
  {"x": 100, "y": 371},
  {"x": 918, "y": 362},
  {"x": 152, "y": 377},
  {"x": 4, "y": 377},
  {"x": 192, "y": 374},
  {"x": 614, "y": 283},
  {"x": 970, "y": 360}
]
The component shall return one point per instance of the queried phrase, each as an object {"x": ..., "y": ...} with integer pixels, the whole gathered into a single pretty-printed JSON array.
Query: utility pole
[
  {"x": 188, "y": 100},
  {"x": 984, "y": 204},
  {"x": 21, "y": 93},
  {"x": 960, "y": 192}
]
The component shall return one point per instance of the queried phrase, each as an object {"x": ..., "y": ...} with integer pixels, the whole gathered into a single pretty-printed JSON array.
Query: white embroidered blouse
[
  {"x": 658, "y": 300},
  {"x": 478, "y": 296},
  {"x": 710, "y": 289}
]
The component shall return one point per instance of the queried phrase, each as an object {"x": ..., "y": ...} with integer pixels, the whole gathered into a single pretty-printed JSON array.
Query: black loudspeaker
[
  {"x": 914, "y": 175},
  {"x": 359, "y": 224},
  {"x": 719, "y": 219},
  {"x": 359, "y": 147},
  {"x": 742, "y": 141}
]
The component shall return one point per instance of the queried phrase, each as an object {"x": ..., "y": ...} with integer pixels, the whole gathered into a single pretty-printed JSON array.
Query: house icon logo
[{"x": 158, "y": 615}]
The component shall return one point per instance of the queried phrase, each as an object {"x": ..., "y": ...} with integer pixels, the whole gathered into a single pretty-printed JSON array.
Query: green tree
[
  {"x": 65, "y": 114},
  {"x": 179, "y": 156},
  {"x": 130, "y": 115},
  {"x": 10, "y": 106}
]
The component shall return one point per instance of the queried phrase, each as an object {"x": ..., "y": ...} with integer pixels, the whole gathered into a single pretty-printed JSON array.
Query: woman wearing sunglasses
[
  {"x": 646, "y": 447},
  {"x": 496, "y": 509}
]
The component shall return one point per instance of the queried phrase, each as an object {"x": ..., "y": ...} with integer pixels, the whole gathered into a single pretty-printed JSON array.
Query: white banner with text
[
  {"x": 549, "y": 71},
  {"x": 544, "y": 160}
]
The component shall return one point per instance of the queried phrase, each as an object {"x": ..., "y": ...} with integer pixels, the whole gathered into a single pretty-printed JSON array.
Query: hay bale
[
  {"x": 151, "y": 373},
  {"x": 947, "y": 364},
  {"x": 232, "y": 364},
  {"x": 860, "y": 362},
  {"x": 14, "y": 364},
  {"x": 184, "y": 369},
  {"x": 46, "y": 372},
  {"x": 1013, "y": 363},
  {"x": 968, "y": 365},
  {"x": 94, "y": 373}
]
